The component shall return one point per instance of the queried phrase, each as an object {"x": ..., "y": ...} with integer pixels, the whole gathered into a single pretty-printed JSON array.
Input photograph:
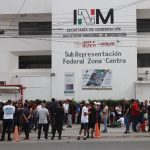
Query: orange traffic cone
[
  {"x": 16, "y": 134},
  {"x": 97, "y": 131}
]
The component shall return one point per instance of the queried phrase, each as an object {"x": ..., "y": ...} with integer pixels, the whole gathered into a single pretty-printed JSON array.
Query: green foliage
[
  {"x": 112, "y": 102},
  {"x": 109, "y": 102}
]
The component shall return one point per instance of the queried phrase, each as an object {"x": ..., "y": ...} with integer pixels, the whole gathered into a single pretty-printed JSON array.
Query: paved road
[{"x": 76, "y": 145}]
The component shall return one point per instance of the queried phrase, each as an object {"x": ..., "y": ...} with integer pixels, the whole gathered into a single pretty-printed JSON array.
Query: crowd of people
[{"x": 41, "y": 115}]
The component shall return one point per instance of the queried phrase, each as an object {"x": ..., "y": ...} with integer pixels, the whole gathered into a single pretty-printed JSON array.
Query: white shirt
[
  {"x": 66, "y": 107},
  {"x": 43, "y": 115},
  {"x": 39, "y": 107},
  {"x": 9, "y": 111},
  {"x": 105, "y": 112},
  {"x": 121, "y": 120},
  {"x": 84, "y": 119},
  {"x": 118, "y": 109}
]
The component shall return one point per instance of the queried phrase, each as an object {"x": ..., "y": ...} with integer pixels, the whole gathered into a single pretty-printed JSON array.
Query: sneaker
[
  {"x": 92, "y": 136},
  {"x": 9, "y": 140},
  {"x": 126, "y": 132},
  {"x": 84, "y": 138},
  {"x": 104, "y": 131},
  {"x": 78, "y": 138}
]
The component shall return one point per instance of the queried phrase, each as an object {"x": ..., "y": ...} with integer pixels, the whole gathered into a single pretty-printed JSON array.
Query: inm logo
[{"x": 94, "y": 16}]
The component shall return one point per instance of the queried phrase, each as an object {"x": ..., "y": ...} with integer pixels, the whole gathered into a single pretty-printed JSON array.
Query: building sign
[{"x": 93, "y": 16}]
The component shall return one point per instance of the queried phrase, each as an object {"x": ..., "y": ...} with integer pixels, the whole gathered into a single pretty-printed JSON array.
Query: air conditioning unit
[{"x": 2, "y": 82}]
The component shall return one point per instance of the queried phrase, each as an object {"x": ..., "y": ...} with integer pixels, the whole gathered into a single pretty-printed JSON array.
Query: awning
[{"x": 9, "y": 89}]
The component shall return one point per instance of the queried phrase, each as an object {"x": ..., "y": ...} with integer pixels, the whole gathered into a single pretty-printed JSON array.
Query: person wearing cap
[{"x": 84, "y": 120}]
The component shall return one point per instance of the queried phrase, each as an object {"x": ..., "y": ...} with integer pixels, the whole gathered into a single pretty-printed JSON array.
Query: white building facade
[{"x": 73, "y": 49}]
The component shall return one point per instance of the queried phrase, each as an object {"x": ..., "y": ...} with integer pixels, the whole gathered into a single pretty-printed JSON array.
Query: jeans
[
  {"x": 69, "y": 120},
  {"x": 126, "y": 122},
  {"x": 105, "y": 124},
  {"x": 135, "y": 121}
]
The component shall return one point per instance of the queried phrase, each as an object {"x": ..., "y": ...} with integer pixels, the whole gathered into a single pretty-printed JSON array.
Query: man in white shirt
[
  {"x": 9, "y": 111},
  {"x": 43, "y": 119},
  {"x": 84, "y": 120},
  {"x": 66, "y": 107}
]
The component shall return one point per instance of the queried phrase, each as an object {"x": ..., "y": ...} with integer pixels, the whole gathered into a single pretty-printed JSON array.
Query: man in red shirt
[{"x": 135, "y": 113}]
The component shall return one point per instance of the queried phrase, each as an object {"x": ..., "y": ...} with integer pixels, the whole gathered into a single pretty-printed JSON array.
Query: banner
[
  {"x": 69, "y": 83},
  {"x": 97, "y": 79}
]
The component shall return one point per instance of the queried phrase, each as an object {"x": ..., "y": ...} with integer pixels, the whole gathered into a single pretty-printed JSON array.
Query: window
[
  {"x": 35, "y": 62},
  {"x": 35, "y": 28},
  {"x": 143, "y": 25},
  {"x": 143, "y": 60}
]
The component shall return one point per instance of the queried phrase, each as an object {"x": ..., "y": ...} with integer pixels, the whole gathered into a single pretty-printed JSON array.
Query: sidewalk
[{"x": 72, "y": 133}]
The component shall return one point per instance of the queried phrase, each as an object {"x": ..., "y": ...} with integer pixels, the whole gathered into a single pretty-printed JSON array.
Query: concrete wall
[
  {"x": 143, "y": 41},
  {"x": 13, "y": 46}
]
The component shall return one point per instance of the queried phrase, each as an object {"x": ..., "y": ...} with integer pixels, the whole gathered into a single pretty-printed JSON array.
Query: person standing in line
[
  {"x": 143, "y": 115},
  {"x": 26, "y": 115},
  {"x": 105, "y": 117},
  {"x": 98, "y": 113},
  {"x": 92, "y": 119},
  {"x": 17, "y": 115},
  {"x": 43, "y": 119},
  {"x": 70, "y": 112},
  {"x": 59, "y": 120},
  {"x": 66, "y": 107},
  {"x": 8, "y": 117},
  {"x": 1, "y": 118},
  {"x": 135, "y": 113},
  {"x": 84, "y": 120},
  {"x": 52, "y": 109},
  {"x": 126, "y": 113},
  {"x": 148, "y": 116}
]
